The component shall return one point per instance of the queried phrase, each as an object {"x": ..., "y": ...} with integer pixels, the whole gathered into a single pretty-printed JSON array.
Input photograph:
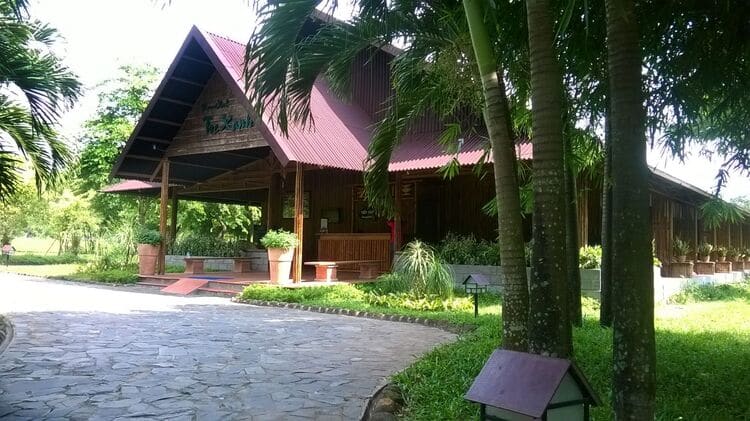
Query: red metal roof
[
  {"x": 131, "y": 186},
  {"x": 341, "y": 132}
]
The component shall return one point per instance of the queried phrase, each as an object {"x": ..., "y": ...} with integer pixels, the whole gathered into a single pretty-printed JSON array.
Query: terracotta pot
[
  {"x": 706, "y": 258},
  {"x": 722, "y": 258},
  {"x": 280, "y": 265},
  {"x": 147, "y": 256},
  {"x": 681, "y": 258}
]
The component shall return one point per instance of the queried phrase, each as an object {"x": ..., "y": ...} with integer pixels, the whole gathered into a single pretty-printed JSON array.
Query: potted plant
[
  {"x": 280, "y": 245},
  {"x": 681, "y": 249},
  {"x": 746, "y": 255},
  {"x": 733, "y": 254},
  {"x": 721, "y": 253},
  {"x": 704, "y": 251},
  {"x": 148, "y": 250}
]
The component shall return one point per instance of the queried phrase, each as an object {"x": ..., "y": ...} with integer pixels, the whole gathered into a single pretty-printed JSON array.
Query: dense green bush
[
  {"x": 467, "y": 250},
  {"x": 148, "y": 236},
  {"x": 423, "y": 270},
  {"x": 590, "y": 257},
  {"x": 388, "y": 283},
  {"x": 416, "y": 302},
  {"x": 207, "y": 246},
  {"x": 279, "y": 239},
  {"x": 697, "y": 293},
  {"x": 38, "y": 259},
  {"x": 109, "y": 276}
]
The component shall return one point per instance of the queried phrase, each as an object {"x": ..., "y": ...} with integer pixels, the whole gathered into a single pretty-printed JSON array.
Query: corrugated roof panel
[{"x": 341, "y": 132}]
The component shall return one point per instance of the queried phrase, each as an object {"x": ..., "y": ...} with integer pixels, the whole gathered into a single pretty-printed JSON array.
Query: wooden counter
[{"x": 356, "y": 246}]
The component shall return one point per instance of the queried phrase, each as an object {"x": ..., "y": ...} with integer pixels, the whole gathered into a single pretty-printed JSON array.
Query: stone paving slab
[{"x": 86, "y": 352}]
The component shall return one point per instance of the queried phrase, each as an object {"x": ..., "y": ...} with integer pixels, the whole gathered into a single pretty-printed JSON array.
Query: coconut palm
[{"x": 35, "y": 87}]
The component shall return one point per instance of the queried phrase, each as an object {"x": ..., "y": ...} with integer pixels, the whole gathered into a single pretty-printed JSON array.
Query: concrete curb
[
  {"x": 6, "y": 333},
  {"x": 440, "y": 324}
]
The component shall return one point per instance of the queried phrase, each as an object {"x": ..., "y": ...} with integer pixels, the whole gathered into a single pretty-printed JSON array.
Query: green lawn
[
  {"x": 75, "y": 272},
  {"x": 35, "y": 245},
  {"x": 47, "y": 271},
  {"x": 703, "y": 353}
]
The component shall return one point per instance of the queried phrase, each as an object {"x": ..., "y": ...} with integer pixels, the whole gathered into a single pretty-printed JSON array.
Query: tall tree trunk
[
  {"x": 496, "y": 115},
  {"x": 571, "y": 238},
  {"x": 549, "y": 326},
  {"x": 605, "y": 310},
  {"x": 634, "y": 351}
]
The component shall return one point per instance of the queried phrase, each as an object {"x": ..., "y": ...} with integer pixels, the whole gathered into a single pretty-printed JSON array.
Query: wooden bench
[
  {"x": 241, "y": 264},
  {"x": 327, "y": 270}
]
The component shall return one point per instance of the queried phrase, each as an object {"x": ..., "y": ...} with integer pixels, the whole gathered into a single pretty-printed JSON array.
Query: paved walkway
[{"x": 88, "y": 352}]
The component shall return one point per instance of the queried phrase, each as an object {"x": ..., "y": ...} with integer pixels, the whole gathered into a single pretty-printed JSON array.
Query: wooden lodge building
[{"x": 199, "y": 139}]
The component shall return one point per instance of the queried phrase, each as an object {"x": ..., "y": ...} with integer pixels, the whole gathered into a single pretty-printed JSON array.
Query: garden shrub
[
  {"x": 148, "y": 236},
  {"x": 423, "y": 270},
  {"x": 726, "y": 292},
  {"x": 388, "y": 283},
  {"x": 590, "y": 257},
  {"x": 467, "y": 250},
  {"x": 418, "y": 302},
  {"x": 40, "y": 259},
  {"x": 196, "y": 245},
  {"x": 127, "y": 275}
]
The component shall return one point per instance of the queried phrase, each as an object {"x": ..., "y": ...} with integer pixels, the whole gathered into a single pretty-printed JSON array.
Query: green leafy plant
[
  {"x": 733, "y": 254},
  {"x": 721, "y": 251},
  {"x": 704, "y": 249},
  {"x": 421, "y": 303},
  {"x": 468, "y": 250},
  {"x": 590, "y": 257},
  {"x": 206, "y": 245},
  {"x": 148, "y": 236},
  {"x": 279, "y": 239},
  {"x": 424, "y": 271},
  {"x": 390, "y": 283},
  {"x": 680, "y": 247}
]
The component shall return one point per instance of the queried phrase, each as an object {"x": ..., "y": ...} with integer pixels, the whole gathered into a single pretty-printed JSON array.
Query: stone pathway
[{"x": 90, "y": 352}]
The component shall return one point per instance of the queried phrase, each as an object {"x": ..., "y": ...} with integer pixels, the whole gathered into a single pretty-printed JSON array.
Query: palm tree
[
  {"x": 634, "y": 349},
  {"x": 438, "y": 51},
  {"x": 549, "y": 327},
  {"x": 35, "y": 87}
]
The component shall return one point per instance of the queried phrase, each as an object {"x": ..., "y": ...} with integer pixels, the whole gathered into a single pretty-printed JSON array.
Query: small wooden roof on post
[{"x": 526, "y": 386}]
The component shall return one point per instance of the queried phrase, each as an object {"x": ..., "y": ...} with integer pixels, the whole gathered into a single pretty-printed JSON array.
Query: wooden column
[
  {"x": 397, "y": 216},
  {"x": 164, "y": 201},
  {"x": 173, "y": 219},
  {"x": 273, "y": 193},
  {"x": 299, "y": 218}
]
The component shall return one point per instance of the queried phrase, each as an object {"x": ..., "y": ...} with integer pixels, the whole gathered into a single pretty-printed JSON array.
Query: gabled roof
[{"x": 338, "y": 138}]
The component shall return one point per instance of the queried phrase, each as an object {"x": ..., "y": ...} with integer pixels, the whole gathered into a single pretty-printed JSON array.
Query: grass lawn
[
  {"x": 35, "y": 245},
  {"x": 75, "y": 272},
  {"x": 703, "y": 353},
  {"x": 47, "y": 271}
]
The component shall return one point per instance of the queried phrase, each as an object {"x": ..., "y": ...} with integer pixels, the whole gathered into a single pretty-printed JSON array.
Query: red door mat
[{"x": 185, "y": 286}]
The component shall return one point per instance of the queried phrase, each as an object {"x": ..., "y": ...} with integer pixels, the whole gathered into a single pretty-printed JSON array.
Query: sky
[{"x": 102, "y": 35}]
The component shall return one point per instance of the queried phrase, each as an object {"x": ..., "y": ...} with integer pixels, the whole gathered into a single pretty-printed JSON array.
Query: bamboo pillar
[
  {"x": 163, "y": 202},
  {"x": 299, "y": 218}
]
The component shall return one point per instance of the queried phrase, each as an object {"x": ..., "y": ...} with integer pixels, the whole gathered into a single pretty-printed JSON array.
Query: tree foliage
[{"x": 35, "y": 88}]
